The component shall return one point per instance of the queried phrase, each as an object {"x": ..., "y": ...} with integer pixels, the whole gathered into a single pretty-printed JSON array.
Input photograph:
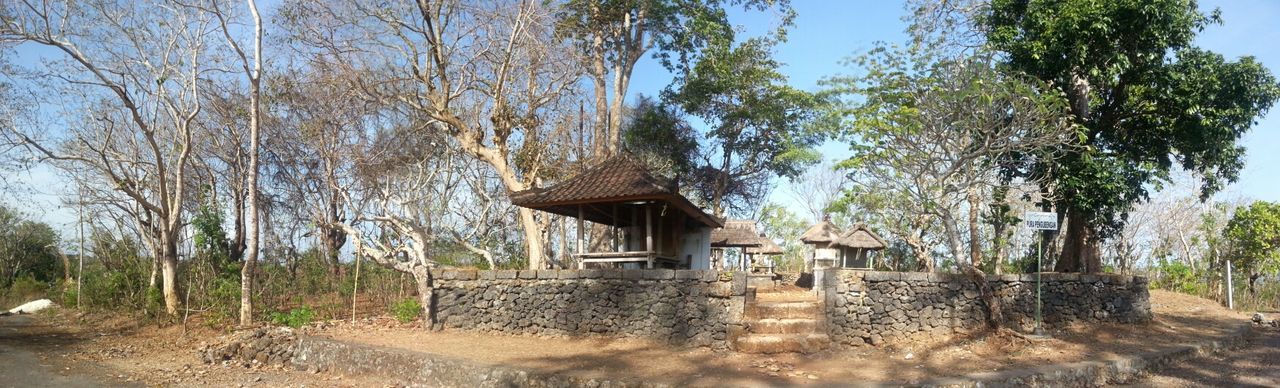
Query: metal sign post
[{"x": 1040, "y": 221}]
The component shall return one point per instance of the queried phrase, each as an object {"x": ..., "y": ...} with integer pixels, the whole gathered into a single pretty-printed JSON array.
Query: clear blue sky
[{"x": 826, "y": 32}]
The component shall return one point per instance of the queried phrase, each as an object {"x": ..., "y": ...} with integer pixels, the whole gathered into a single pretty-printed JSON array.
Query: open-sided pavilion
[{"x": 651, "y": 224}]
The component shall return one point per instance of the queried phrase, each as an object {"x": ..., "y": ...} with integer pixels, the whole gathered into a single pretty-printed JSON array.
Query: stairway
[{"x": 783, "y": 322}]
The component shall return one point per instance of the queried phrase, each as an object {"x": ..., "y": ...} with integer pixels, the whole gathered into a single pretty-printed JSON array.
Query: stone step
[
  {"x": 780, "y": 310},
  {"x": 781, "y": 343},
  {"x": 784, "y": 326},
  {"x": 786, "y": 296}
]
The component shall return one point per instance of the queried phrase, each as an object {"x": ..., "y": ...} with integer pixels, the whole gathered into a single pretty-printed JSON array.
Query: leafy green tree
[
  {"x": 659, "y": 133},
  {"x": 758, "y": 125},
  {"x": 1146, "y": 98},
  {"x": 27, "y": 248},
  {"x": 780, "y": 224},
  {"x": 1253, "y": 235},
  {"x": 210, "y": 238},
  {"x": 612, "y": 36},
  {"x": 931, "y": 138}
]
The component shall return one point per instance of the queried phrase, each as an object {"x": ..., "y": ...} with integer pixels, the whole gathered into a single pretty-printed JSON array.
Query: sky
[{"x": 825, "y": 32}]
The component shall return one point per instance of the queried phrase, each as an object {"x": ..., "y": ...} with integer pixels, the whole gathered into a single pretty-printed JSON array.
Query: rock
[
  {"x": 1258, "y": 318},
  {"x": 264, "y": 346}
]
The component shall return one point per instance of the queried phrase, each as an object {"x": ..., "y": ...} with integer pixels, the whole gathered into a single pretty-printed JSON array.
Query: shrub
[
  {"x": 26, "y": 288},
  {"x": 69, "y": 296},
  {"x": 296, "y": 318},
  {"x": 406, "y": 310}
]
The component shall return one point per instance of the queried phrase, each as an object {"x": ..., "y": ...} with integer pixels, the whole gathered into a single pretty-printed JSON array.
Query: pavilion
[
  {"x": 856, "y": 247},
  {"x": 735, "y": 234},
  {"x": 821, "y": 236},
  {"x": 768, "y": 249},
  {"x": 651, "y": 224}
]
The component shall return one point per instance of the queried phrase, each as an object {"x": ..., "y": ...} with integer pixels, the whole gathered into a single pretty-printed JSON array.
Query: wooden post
[
  {"x": 658, "y": 244},
  {"x": 648, "y": 233},
  {"x": 581, "y": 243},
  {"x": 614, "y": 228},
  {"x": 635, "y": 223}
]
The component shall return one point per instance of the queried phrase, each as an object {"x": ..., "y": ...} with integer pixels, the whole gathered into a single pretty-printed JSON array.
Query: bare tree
[
  {"x": 135, "y": 70},
  {"x": 818, "y": 189},
  {"x": 487, "y": 74},
  {"x": 312, "y": 149},
  {"x": 397, "y": 196},
  {"x": 250, "y": 63}
]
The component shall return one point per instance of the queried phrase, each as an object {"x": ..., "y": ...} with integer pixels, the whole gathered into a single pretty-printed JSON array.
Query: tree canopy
[
  {"x": 1253, "y": 237},
  {"x": 758, "y": 125},
  {"x": 1146, "y": 97}
]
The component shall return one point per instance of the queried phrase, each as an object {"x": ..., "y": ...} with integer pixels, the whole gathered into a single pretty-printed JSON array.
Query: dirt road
[
  {"x": 1251, "y": 365},
  {"x": 22, "y": 367}
]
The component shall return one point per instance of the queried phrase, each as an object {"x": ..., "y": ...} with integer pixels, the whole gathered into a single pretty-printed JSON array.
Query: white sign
[{"x": 1040, "y": 220}]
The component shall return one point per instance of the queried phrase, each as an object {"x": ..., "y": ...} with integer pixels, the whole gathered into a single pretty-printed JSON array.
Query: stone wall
[
  {"x": 686, "y": 307},
  {"x": 882, "y": 307}
]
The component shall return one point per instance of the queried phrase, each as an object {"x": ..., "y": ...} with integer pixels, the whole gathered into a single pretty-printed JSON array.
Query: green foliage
[
  {"x": 210, "y": 239},
  {"x": 24, "y": 289},
  {"x": 69, "y": 295},
  {"x": 658, "y": 133},
  {"x": 295, "y": 318},
  {"x": 678, "y": 30},
  {"x": 778, "y": 223},
  {"x": 1179, "y": 277},
  {"x": 759, "y": 126},
  {"x": 27, "y": 249},
  {"x": 1145, "y": 96},
  {"x": 406, "y": 310},
  {"x": 1253, "y": 235}
]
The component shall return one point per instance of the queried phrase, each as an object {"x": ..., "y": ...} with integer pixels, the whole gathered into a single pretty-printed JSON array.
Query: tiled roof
[
  {"x": 621, "y": 178},
  {"x": 860, "y": 237}
]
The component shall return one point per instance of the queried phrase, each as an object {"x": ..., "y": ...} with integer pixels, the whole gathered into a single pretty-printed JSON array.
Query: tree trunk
[
  {"x": 1253, "y": 279},
  {"x": 975, "y": 244},
  {"x": 66, "y": 267},
  {"x": 722, "y": 180},
  {"x": 600, "y": 133},
  {"x": 426, "y": 295},
  {"x": 995, "y": 314},
  {"x": 169, "y": 274},
  {"x": 953, "y": 239},
  {"x": 1080, "y": 251},
  {"x": 532, "y": 237},
  {"x": 255, "y": 132},
  {"x": 620, "y": 80},
  {"x": 235, "y": 252}
]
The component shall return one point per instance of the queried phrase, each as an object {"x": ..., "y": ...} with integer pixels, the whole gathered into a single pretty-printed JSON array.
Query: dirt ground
[
  {"x": 1251, "y": 365},
  {"x": 74, "y": 350},
  {"x": 1178, "y": 319},
  {"x": 115, "y": 352}
]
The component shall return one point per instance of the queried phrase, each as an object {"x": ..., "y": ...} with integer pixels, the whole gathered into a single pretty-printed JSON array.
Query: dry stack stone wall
[
  {"x": 687, "y": 307},
  {"x": 883, "y": 307}
]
